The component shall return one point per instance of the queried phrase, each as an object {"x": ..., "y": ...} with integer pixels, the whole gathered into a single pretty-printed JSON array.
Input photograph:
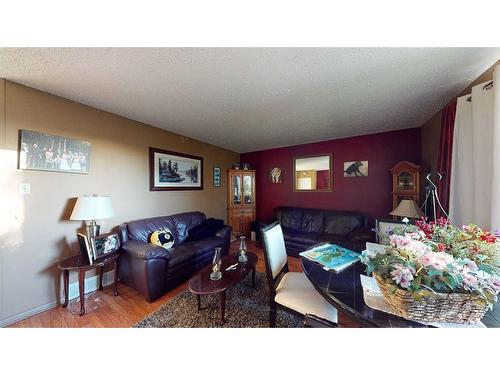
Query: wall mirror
[{"x": 313, "y": 173}]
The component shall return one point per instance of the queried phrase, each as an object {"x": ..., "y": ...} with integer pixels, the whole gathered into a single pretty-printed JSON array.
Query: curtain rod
[{"x": 485, "y": 87}]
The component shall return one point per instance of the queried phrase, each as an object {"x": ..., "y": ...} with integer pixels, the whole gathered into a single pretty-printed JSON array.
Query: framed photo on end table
[{"x": 104, "y": 244}]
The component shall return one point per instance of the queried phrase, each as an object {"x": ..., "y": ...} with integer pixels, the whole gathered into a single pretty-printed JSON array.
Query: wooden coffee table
[{"x": 200, "y": 284}]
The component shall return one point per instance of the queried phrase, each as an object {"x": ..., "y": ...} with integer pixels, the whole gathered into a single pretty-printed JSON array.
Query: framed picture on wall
[
  {"x": 275, "y": 176},
  {"x": 169, "y": 170},
  {"x": 53, "y": 153},
  {"x": 356, "y": 168},
  {"x": 216, "y": 177}
]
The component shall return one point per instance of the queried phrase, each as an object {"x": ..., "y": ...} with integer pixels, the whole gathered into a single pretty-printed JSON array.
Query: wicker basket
[{"x": 440, "y": 307}]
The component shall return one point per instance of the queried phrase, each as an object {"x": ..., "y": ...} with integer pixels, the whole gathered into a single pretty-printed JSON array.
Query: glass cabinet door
[
  {"x": 406, "y": 181},
  {"x": 236, "y": 186},
  {"x": 248, "y": 197}
]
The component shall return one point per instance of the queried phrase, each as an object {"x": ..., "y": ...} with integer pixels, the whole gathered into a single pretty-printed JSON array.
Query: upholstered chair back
[{"x": 274, "y": 248}]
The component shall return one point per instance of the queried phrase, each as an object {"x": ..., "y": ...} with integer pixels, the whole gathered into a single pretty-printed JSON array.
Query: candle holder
[
  {"x": 216, "y": 273},
  {"x": 242, "y": 257}
]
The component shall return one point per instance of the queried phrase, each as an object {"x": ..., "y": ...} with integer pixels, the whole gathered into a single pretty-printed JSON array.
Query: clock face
[{"x": 406, "y": 181}]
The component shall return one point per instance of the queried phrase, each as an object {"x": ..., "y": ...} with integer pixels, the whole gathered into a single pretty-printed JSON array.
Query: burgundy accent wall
[{"x": 370, "y": 195}]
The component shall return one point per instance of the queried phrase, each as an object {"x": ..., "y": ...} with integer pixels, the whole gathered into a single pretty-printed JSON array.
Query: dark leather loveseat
[
  {"x": 303, "y": 227},
  {"x": 153, "y": 270}
]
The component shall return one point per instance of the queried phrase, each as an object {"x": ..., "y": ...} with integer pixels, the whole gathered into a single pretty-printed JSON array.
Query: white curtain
[{"x": 475, "y": 171}]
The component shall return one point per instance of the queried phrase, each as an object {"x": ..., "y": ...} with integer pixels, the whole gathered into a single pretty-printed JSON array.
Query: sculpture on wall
[{"x": 275, "y": 176}]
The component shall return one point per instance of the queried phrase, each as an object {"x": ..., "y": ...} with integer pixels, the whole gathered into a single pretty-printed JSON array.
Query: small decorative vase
[
  {"x": 242, "y": 257},
  {"x": 216, "y": 274}
]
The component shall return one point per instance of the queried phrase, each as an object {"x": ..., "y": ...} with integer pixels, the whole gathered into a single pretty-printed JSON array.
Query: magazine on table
[{"x": 331, "y": 257}]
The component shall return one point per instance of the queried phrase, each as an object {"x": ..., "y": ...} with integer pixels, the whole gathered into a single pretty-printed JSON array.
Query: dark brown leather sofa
[
  {"x": 153, "y": 270},
  {"x": 303, "y": 227}
]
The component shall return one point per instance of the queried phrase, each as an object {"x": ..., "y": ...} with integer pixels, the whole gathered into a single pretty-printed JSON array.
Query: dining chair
[
  {"x": 290, "y": 291},
  {"x": 384, "y": 228},
  {"x": 313, "y": 321}
]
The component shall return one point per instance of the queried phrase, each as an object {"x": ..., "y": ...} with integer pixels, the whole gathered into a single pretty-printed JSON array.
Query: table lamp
[
  {"x": 407, "y": 208},
  {"x": 92, "y": 208}
]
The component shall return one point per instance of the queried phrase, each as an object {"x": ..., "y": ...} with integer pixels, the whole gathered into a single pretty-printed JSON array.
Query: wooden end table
[
  {"x": 200, "y": 284},
  {"x": 80, "y": 263}
]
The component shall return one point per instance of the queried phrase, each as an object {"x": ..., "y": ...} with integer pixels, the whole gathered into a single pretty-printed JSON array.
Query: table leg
[
  {"x": 222, "y": 306},
  {"x": 81, "y": 282},
  {"x": 66, "y": 287},
  {"x": 101, "y": 272},
  {"x": 116, "y": 278},
  {"x": 198, "y": 299},
  {"x": 253, "y": 277}
]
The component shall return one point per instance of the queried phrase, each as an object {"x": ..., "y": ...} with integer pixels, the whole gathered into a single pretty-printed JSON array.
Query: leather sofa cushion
[
  {"x": 290, "y": 218},
  {"x": 206, "y": 245},
  {"x": 312, "y": 221},
  {"x": 179, "y": 225},
  {"x": 140, "y": 230},
  {"x": 331, "y": 238},
  {"x": 180, "y": 254},
  {"x": 188, "y": 250},
  {"x": 341, "y": 224},
  {"x": 186, "y": 221},
  {"x": 300, "y": 237},
  {"x": 207, "y": 228}
]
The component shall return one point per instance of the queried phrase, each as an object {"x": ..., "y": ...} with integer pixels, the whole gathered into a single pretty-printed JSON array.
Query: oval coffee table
[{"x": 200, "y": 284}]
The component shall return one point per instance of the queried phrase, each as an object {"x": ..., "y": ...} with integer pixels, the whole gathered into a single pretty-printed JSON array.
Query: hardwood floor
[{"x": 127, "y": 308}]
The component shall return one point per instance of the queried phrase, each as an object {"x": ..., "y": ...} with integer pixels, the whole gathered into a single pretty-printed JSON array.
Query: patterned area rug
[{"x": 246, "y": 307}]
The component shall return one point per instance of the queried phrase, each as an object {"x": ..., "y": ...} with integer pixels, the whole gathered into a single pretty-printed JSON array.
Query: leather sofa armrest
[
  {"x": 224, "y": 232},
  {"x": 145, "y": 250},
  {"x": 362, "y": 235}
]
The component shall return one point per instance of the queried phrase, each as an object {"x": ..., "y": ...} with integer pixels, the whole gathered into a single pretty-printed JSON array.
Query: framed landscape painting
[
  {"x": 53, "y": 153},
  {"x": 169, "y": 170}
]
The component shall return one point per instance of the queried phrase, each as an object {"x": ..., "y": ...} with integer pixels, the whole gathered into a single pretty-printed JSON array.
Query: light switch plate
[{"x": 24, "y": 188}]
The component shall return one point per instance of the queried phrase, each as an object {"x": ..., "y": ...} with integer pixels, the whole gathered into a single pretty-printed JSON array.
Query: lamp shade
[
  {"x": 92, "y": 208},
  {"x": 407, "y": 208}
]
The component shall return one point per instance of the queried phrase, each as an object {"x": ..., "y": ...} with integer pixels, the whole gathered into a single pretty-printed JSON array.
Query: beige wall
[
  {"x": 34, "y": 232},
  {"x": 431, "y": 130}
]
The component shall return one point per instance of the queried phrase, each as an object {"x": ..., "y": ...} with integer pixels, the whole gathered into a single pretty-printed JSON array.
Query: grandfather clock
[{"x": 406, "y": 182}]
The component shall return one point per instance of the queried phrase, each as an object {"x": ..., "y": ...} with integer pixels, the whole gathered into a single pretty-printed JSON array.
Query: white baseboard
[{"x": 91, "y": 284}]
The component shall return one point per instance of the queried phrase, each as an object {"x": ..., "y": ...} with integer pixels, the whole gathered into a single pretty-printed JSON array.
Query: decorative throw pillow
[{"x": 162, "y": 238}]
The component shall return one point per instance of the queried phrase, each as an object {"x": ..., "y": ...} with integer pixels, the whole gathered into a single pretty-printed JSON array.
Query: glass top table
[{"x": 344, "y": 291}]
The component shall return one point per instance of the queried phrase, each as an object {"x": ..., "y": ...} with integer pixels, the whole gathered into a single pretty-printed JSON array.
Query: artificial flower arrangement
[{"x": 431, "y": 258}]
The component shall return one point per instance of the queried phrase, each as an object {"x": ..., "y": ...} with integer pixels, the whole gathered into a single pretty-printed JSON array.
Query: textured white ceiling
[{"x": 247, "y": 99}]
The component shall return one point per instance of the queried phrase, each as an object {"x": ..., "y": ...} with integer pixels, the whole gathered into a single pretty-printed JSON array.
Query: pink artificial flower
[
  {"x": 469, "y": 280},
  {"x": 403, "y": 275},
  {"x": 426, "y": 259},
  {"x": 438, "y": 261},
  {"x": 494, "y": 282},
  {"x": 471, "y": 265}
]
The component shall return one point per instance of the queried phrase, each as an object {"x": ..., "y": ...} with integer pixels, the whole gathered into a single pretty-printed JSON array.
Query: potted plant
[{"x": 436, "y": 272}]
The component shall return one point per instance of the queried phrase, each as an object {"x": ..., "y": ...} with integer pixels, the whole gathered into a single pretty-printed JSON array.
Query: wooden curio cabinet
[
  {"x": 241, "y": 200},
  {"x": 406, "y": 182}
]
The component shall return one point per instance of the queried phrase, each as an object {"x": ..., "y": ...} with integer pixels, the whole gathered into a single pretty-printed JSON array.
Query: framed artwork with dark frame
[
  {"x": 53, "y": 153},
  {"x": 169, "y": 170},
  {"x": 216, "y": 177}
]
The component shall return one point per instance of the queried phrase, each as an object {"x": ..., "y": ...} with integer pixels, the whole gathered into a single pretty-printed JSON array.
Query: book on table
[{"x": 331, "y": 257}]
